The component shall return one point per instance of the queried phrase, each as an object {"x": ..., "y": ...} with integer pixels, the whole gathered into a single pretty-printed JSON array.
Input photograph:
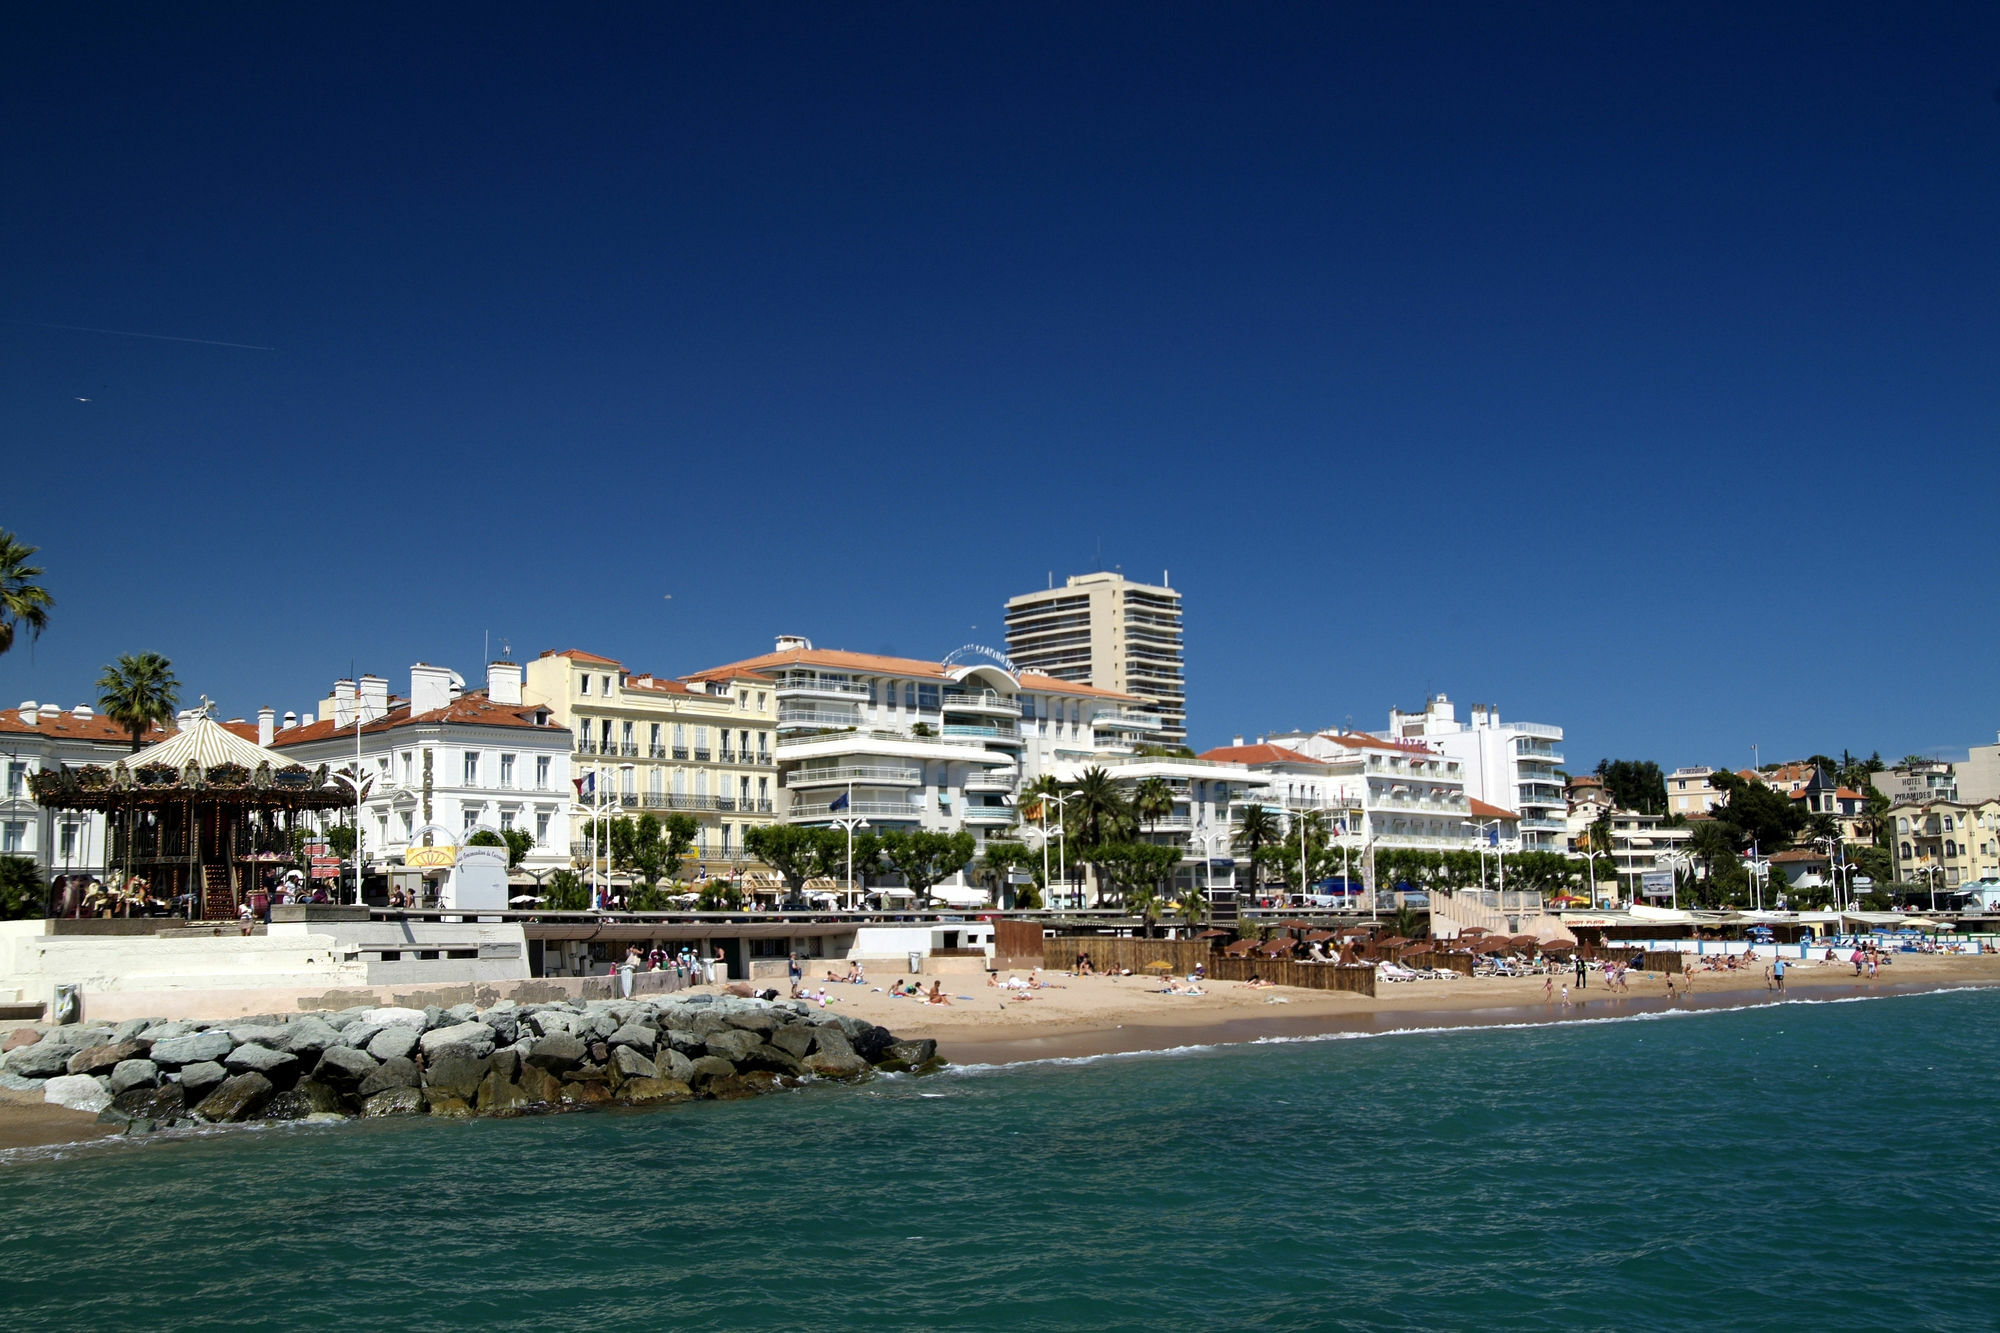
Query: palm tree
[
  {"x": 22, "y": 600},
  {"x": 138, "y": 692},
  {"x": 1192, "y": 906},
  {"x": 1144, "y": 902},
  {"x": 1152, "y": 800},
  {"x": 1255, "y": 830},
  {"x": 1098, "y": 814}
]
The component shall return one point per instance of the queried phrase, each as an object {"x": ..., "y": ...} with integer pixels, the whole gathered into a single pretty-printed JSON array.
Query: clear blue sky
[{"x": 1633, "y": 367}]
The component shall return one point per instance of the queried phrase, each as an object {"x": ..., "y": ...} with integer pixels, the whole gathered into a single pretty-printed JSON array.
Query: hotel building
[
  {"x": 38, "y": 736},
  {"x": 1107, "y": 631},
  {"x": 705, "y": 747},
  {"x": 1513, "y": 765}
]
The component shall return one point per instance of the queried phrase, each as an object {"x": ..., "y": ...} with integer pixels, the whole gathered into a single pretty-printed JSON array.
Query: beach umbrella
[
  {"x": 524, "y": 898},
  {"x": 1159, "y": 965},
  {"x": 1214, "y": 935},
  {"x": 1475, "y": 930}
]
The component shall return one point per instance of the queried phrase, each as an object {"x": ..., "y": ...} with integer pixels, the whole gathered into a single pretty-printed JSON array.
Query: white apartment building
[
  {"x": 1513, "y": 765},
  {"x": 39, "y": 736},
  {"x": 445, "y": 756},
  {"x": 1637, "y": 844},
  {"x": 1107, "y": 631},
  {"x": 1385, "y": 793},
  {"x": 703, "y": 747}
]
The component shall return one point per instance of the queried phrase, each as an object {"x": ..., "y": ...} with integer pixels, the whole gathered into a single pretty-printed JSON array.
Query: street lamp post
[
  {"x": 1062, "y": 847},
  {"x": 1494, "y": 824},
  {"x": 853, "y": 822}
]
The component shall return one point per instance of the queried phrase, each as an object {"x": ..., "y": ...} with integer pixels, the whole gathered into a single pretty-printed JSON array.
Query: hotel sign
[{"x": 433, "y": 849}]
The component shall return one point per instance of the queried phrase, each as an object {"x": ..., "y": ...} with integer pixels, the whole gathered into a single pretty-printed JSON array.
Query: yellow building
[
  {"x": 654, "y": 744},
  {"x": 1948, "y": 843}
]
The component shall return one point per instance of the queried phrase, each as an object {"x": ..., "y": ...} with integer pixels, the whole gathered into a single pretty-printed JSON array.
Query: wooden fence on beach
[{"x": 1183, "y": 956}]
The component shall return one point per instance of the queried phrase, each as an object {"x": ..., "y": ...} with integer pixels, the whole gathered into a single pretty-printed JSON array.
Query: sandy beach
[{"x": 1082, "y": 1016}]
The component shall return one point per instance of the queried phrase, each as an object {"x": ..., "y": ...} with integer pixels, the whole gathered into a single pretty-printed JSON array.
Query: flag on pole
[
  {"x": 839, "y": 802},
  {"x": 587, "y": 784}
]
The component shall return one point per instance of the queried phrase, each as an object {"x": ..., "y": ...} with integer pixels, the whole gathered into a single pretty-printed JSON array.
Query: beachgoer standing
[
  {"x": 1548, "y": 986},
  {"x": 1778, "y": 968},
  {"x": 795, "y": 969},
  {"x": 1579, "y": 972}
]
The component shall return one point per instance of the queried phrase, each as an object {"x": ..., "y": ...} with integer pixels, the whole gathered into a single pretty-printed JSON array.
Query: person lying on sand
[{"x": 937, "y": 995}]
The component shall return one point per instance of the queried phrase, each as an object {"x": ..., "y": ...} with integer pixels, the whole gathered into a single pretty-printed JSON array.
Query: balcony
[
  {"x": 817, "y": 687},
  {"x": 629, "y": 749},
  {"x": 818, "y": 717},
  {"x": 987, "y": 814},
  {"x": 995, "y": 779},
  {"x": 861, "y": 809},
  {"x": 700, "y": 755},
  {"x": 585, "y": 745},
  {"x": 1544, "y": 825},
  {"x": 1539, "y": 730},
  {"x": 725, "y": 756},
  {"x": 1124, "y": 722},
  {"x": 867, "y": 774},
  {"x": 988, "y": 704},
  {"x": 656, "y": 752},
  {"x": 653, "y": 800},
  {"x": 996, "y": 731},
  {"x": 680, "y": 752}
]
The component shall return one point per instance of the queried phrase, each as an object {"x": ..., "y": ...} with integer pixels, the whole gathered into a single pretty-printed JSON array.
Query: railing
[
  {"x": 1125, "y": 721},
  {"x": 996, "y": 731},
  {"x": 1419, "y": 806},
  {"x": 817, "y": 717},
  {"x": 1546, "y": 825},
  {"x": 845, "y": 689},
  {"x": 987, "y": 814},
  {"x": 865, "y": 810},
  {"x": 654, "y": 800},
  {"x": 656, "y": 752},
  {"x": 680, "y": 752},
  {"x": 700, "y": 755},
  {"x": 985, "y": 702},
  {"x": 629, "y": 749},
  {"x": 585, "y": 745},
  {"x": 808, "y": 777},
  {"x": 996, "y": 779},
  {"x": 1537, "y": 729},
  {"x": 725, "y": 756}
]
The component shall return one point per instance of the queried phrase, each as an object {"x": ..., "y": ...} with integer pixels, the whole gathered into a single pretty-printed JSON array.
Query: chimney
[
  {"x": 30, "y": 712},
  {"x": 374, "y": 698},
  {"x": 291, "y": 720},
  {"x": 1236, "y": 741},
  {"x": 430, "y": 688},
  {"x": 503, "y": 682},
  {"x": 81, "y": 710},
  {"x": 343, "y": 703},
  {"x": 267, "y": 726}
]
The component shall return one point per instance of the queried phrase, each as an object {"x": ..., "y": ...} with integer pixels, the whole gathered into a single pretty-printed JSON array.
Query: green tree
[
  {"x": 1098, "y": 812},
  {"x": 22, "y": 893},
  {"x": 23, "y": 601},
  {"x": 1410, "y": 923},
  {"x": 137, "y": 692},
  {"x": 1152, "y": 801},
  {"x": 1634, "y": 784},
  {"x": 1131, "y": 868},
  {"x": 1256, "y": 831},
  {"x": 796, "y": 852},
  {"x": 923, "y": 858},
  {"x": 642, "y": 846},
  {"x": 340, "y": 840},
  {"x": 867, "y": 857},
  {"x": 565, "y": 891},
  {"x": 1318, "y": 855},
  {"x": 1755, "y": 813},
  {"x": 1191, "y": 905}
]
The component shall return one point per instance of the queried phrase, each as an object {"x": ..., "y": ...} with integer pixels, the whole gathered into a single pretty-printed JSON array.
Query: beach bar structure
[{"x": 196, "y": 815}]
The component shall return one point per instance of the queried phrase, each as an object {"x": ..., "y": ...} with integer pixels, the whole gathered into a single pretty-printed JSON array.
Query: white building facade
[
  {"x": 1514, "y": 765},
  {"x": 38, "y": 736}
]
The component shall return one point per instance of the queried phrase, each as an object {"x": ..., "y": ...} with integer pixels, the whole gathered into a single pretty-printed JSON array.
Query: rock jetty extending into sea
[{"x": 510, "y": 1059}]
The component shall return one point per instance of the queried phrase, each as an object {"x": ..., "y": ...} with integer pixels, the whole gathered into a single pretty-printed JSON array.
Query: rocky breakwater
[{"x": 149, "y": 1074}]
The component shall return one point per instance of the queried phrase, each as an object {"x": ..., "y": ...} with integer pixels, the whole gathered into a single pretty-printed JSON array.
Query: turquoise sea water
[{"x": 1808, "y": 1164}]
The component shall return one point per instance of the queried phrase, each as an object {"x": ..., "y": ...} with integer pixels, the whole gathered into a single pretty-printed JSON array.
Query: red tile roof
[
  {"x": 578, "y": 655},
  {"x": 1259, "y": 754},
  {"x": 68, "y": 726},
  {"x": 473, "y": 709},
  {"x": 1361, "y": 740},
  {"x": 1485, "y": 811}
]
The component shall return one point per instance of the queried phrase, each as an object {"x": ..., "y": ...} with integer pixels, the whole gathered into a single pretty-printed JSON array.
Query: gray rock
[
  {"x": 239, "y": 1098},
  {"x": 259, "y": 1034},
  {"x": 291, "y": 1105},
  {"x": 167, "y": 1031},
  {"x": 462, "y": 1013},
  {"x": 474, "y": 1041},
  {"x": 849, "y": 1025},
  {"x": 760, "y": 1021},
  {"x": 358, "y": 1034},
  {"x": 506, "y": 1062},
  {"x": 912, "y": 1053},
  {"x": 672, "y": 1064},
  {"x": 506, "y": 1025},
  {"x": 308, "y": 1037},
  {"x": 78, "y": 1092},
  {"x": 768, "y": 1057},
  {"x": 394, "y": 1101},
  {"x": 281, "y": 1067},
  {"x": 654, "y": 1090},
  {"x": 557, "y": 1053},
  {"x": 832, "y": 1041},
  {"x": 197, "y": 1080},
  {"x": 194, "y": 1048},
  {"x": 396, "y": 1072},
  {"x": 872, "y": 1043},
  {"x": 344, "y": 1067},
  {"x": 321, "y": 1099},
  {"x": 539, "y": 1086},
  {"x": 686, "y": 1041},
  {"x": 643, "y": 1038},
  {"x": 795, "y": 1040},
  {"x": 392, "y": 1015},
  {"x": 827, "y": 1064},
  {"x": 709, "y": 1068},
  {"x": 16, "y": 1083},
  {"x": 161, "y": 1104},
  {"x": 76, "y": 1038},
  {"x": 499, "y": 1096},
  {"x": 627, "y": 1062},
  {"x": 351, "y": 1014},
  {"x": 45, "y": 1059},
  {"x": 434, "y": 1017},
  {"x": 455, "y": 1075},
  {"x": 130, "y": 1074},
  {"x": 733, "y": 1045},
  {"x": 391, "y": 1042},
  {"x": 129, "y": 1029},
  {"x": 603, "y": 1024},
  {"x": 551, "y": 1023}
]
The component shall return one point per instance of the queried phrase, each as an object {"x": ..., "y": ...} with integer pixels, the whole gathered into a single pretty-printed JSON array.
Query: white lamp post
[
  {"x": 1062, "y": 847},
  {"x": 851, "y": 823}
]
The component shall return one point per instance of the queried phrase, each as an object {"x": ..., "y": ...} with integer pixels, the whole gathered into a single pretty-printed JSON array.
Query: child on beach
[{"x": 1548, "y": 986}]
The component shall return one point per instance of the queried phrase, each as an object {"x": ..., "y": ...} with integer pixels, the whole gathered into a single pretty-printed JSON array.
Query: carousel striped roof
[{"x": 208, "y": 743}]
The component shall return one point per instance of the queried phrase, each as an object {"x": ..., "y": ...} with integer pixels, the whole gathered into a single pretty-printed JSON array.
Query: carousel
[{"x": 199, "y": 819}]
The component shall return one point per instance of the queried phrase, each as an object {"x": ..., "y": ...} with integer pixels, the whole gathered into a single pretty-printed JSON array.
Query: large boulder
[
  {"x": 259, "y": 1034},
  {"x": 753, "y": 1084},
  {"x": 685, "y": 1040},
  {"x": 918, "y": 1054},
  {"x": 602, "y": 1024},
  {"x": 506, "y": 1062},
  {"x": 344, "y": 1067},
  {"x": 539, "y": 1087},
  {"x": 103, "y": 1059},
  {"x": 78, "y": 1092},
  {"x": 827, "y": 1064},
  {"x": 18, "y": 1038},
  {"x": 795, "y": 1040},
  {"x": 709, "y": 1069},
  {"x": 239, "y": 1098},
  {"x": 393, "y": 1015},
  {"x": 505, "y": 1022},
  {"x": 462, "y": 1013},
  {"x": 179, "y": 1027},
  {"x": 45, "y": 1059},
  {"x": 638, "y": 1090},
  {"x": 192, "y": 1049},
  {"x": 281, "y": 1067},
  {"x": 557, "y": 1053},
  {"x": 471, "y": 1041},
  {"x": 765, "y": 1056},
  {"x": 500, "y": 1096},
  {"x": 672, "y": 1064},
  {"x": 321, "y": 1099},
  {"x": 585, "y": 1094},
  {"x": 394, "y": 1101},
  {"x": 553, "y": 1022},
  {"x": 396, "y": 1040},
  {"x": 397, "y": 1071},
  {"x": 643, "y": 1039},
  {"x": 871, "y": 1043},
  {"x": 130, "y": 1074},
  {"x": 733, "y": 1045},
  {"x": 308, "y": 1037},
  {"x": 832, "y": 1041},
  {"x": 760, "y": 1021},
  {"x": 164, "y": 1103},
  {"x": 628, "y": 1063},
  {"x": 198, "y": 1080},
  {"x": 455, "y": 1075}
]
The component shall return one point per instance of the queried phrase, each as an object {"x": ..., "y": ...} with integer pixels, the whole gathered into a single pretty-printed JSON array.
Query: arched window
[
  {"x": 1906, "y": 851},
  {"x": 1903, "y": 826},
  {"x": 1950, "y": 847}
]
